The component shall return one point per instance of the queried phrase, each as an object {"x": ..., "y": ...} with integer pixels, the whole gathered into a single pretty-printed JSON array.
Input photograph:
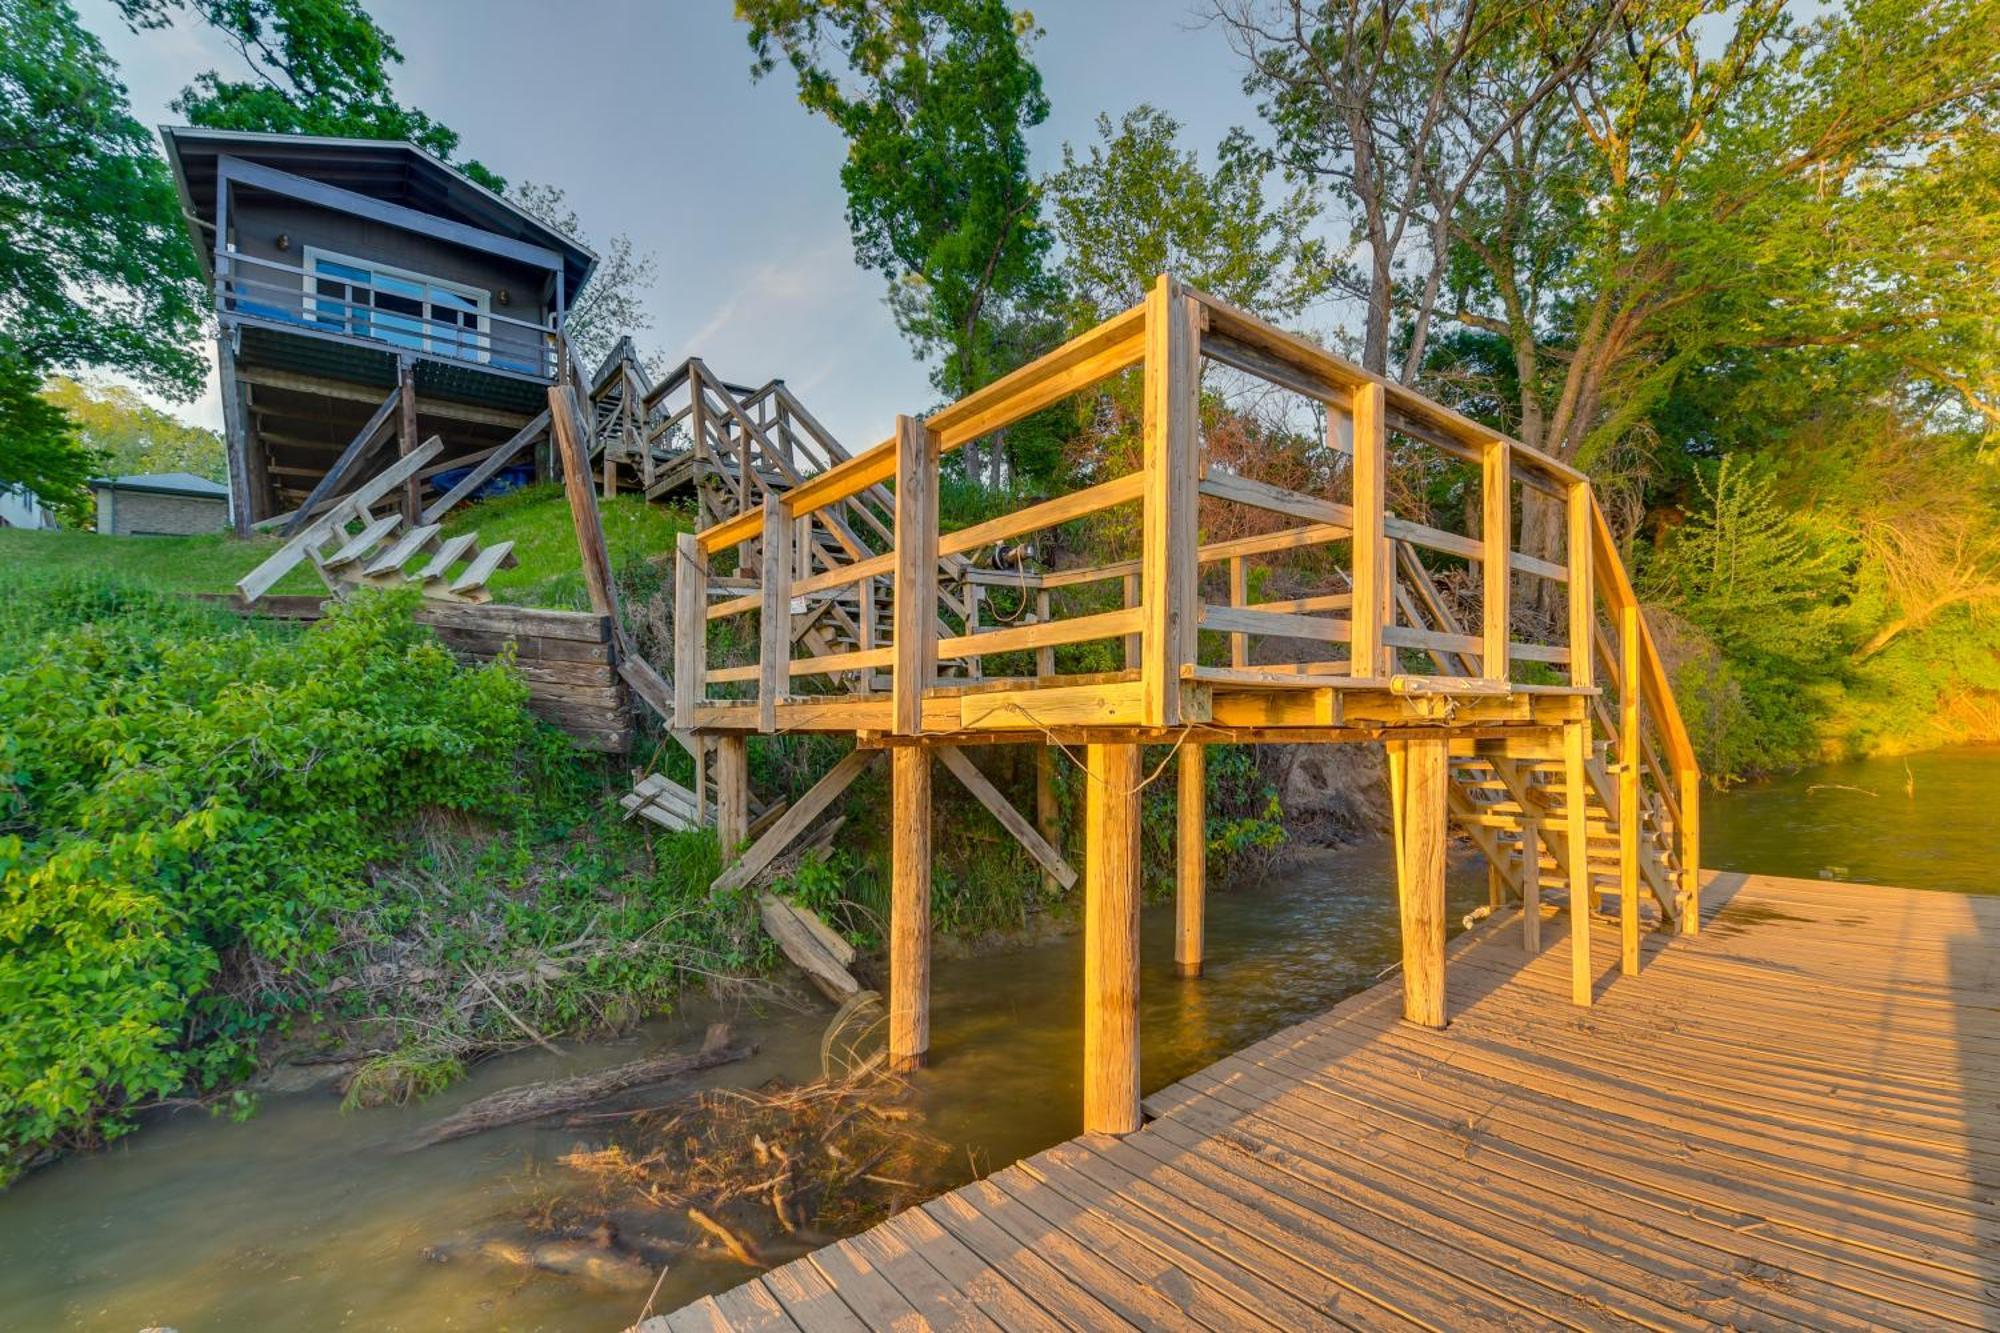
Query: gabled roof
[
  {"x": 165, "y": 483},
  {"x": 391, "y": 170}
]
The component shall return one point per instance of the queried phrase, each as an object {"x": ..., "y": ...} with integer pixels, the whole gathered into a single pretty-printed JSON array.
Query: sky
[{"x": 645, "y": 114}]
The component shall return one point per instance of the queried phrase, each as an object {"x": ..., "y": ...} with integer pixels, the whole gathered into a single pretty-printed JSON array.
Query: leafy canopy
[
  {"x": 935, "y": 98},
  {"x": 316, "y": 67},
  {"x": 132, "y": 436}
]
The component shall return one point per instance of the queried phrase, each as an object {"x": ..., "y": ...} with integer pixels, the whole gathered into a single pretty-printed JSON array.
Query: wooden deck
[{"x": 1791, "y": 1119}]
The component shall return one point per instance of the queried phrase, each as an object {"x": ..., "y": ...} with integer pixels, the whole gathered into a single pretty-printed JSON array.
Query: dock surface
[{"x": 1790, "y": 1120}]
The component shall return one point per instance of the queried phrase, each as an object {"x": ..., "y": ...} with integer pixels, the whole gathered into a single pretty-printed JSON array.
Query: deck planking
[{"x": 1789, "y": 1120}]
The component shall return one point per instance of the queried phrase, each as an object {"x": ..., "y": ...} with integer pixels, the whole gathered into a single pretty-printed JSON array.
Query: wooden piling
[
  {"x": 1576, "y": 836},
  {"x": 1191, "y": 860},
  {"x": 910, "y": 908},
  {"x": 732, "y": 794},
  {"x": 1628, "y": 790},
  {"x": 1531, "y": 885},
  {"x": 1420, "y": 878},
  {"x": 1111, "y": 940}
]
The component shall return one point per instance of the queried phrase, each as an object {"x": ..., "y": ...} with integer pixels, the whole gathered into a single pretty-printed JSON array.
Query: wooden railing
[
  {"x": 286, "y": 293},
  {"x": 1131, "y": 628}
]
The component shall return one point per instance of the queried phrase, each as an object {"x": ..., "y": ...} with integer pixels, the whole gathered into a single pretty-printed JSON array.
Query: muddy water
[{"x": 304, "y": 1218}]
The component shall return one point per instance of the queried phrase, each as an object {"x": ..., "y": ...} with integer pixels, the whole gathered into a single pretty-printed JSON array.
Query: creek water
[{"x": 305, "y": 1218}]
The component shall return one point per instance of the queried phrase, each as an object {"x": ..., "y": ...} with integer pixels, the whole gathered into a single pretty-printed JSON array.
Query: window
[{"x": 395, "y": 306}]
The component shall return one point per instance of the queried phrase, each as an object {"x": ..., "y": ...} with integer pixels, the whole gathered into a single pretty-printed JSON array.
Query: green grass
[{"x": 535, "y": 519}]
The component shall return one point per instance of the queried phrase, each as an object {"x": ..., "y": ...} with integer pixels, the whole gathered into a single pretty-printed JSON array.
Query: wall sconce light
[
  {"x": 502, "y": 297},
  {"x": 284, "y": 241}
]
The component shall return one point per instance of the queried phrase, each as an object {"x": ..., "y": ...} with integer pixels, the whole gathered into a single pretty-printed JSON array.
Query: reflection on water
[
  {"x": 1924, "y": 822},
  {"x": 304, "y": 1218}
]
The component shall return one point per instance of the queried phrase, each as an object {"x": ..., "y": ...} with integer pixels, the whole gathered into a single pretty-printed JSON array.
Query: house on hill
[
  {"x": 369, "y": 296},
  {"x": 160, "y": 504}
]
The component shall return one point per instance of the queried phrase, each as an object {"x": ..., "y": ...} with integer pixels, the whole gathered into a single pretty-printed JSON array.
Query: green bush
[{"x": 186, "y": 803}]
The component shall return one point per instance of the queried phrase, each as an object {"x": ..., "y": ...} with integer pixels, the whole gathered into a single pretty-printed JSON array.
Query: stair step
[
  {"x": 365, "y": 542},
  {"x": 449, "y": 554},
  {"x": 402, "y": 552},
  {"x": 482, "y": 568}
]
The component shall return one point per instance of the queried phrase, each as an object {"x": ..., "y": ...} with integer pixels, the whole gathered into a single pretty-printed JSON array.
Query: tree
[
  {"x": 316, "y": 67},
  {"x": 94, "y": 267},
  {"x": 1361, "y": 94},
  {"x": 613, "y": 303},
  {"x": 40, "y": 449},
  {"x": 935, "y": 98},
  {"x": 1726, "y": 186},
  {"x": 1139, "y": 205},
  {"x": 130, "y": 436}
]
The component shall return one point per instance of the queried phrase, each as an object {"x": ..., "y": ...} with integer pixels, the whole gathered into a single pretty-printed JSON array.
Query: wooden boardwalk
[{"x": 1789, "y": 1120}]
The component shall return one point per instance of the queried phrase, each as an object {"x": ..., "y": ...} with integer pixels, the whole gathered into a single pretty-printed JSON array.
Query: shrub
[{"x": 182, "y": 794}]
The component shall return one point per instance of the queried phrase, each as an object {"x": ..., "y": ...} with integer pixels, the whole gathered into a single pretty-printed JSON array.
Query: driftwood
[
  {"x": 535, "y": 1100},
  {"x": 813, "y": 946}
]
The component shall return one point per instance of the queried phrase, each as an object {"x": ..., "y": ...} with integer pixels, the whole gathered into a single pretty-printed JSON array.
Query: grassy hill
[{"x": 535, "y": 519}]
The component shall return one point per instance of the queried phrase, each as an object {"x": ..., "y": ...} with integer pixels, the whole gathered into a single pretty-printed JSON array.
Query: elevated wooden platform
[{"x": 1791, "y": 1119}]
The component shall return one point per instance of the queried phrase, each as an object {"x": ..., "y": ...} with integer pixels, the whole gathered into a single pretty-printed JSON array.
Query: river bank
[{"x": 307, "y": 1218}]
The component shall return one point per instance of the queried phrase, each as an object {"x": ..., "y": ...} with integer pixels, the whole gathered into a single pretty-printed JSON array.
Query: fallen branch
[{"x": 535, "y": 1100}]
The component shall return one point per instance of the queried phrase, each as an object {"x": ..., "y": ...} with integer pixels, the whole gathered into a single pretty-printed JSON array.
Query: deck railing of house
[{"x": 369, "y": 313}]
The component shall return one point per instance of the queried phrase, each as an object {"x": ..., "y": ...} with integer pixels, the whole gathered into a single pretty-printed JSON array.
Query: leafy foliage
[
  {"x": 935, "y": 99},
  {"x": 613, "y": 304},
  {"x": 316, "y": 66},
  {"x": 180, "y": 796},
  {"x": 43, "y": 451},
  {"x": 133, "y": 436}
]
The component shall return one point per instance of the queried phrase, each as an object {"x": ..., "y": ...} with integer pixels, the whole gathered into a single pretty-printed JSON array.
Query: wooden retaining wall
[{"x": 565, "y": 657}]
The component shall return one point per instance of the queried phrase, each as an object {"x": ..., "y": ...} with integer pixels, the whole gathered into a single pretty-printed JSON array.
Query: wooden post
[
  {"x": 1239, "y": 595},
  {"x": 1628, "y": 789},
  {"x": 774, "y": 659},
  {"x": 1111, "y": 940},
  {"x": 1045, "y": 656},
  {"x": 1172, "y": 463},
  {"x": 1576, "y": 829},
  {"x": 1531, "y": 885},
  {"x": 690, "y": 627},
  {"x": 1134, "y": 653},
  {"x": 567, "y": 425},
  {"x": 411, "y": 502},
  {"x": 910, "y": 908},
  {"x": 1582, "y": 597},
  {"x": 1496, "y": 559},
  {"x": 1374, "y": 573},
  {"x": 915, "y": 607},
  {"x": 235, "y": 436},
  {"x": 1190, "y": 859},
  {"x": 732, "y": 791},
  {"x": 1420, "y": 877},
  {"x": 1048, "y": 819},
  {"x": 1690, "y": 783}
]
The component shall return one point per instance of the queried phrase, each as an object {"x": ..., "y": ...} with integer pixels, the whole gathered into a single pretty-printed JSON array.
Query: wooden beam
[
  {"x": 572, "y": 439},
  {"x": 976, "y": 782},
  {"x": 1190, "y": 859},
  {"x": 1576, "y": 818},
  {"x": 491, "y": 464},
  {"x": 411, "y": 501},
  {"x": 1582, "y": 594},
  {"x": 1374, "y": 573},
  {"x": 1531, "y": 886},
  {"x": 1111, "y": 940},
  {"x": 775, "y": 616},
  {"x": 796, "y": 819},
  {"x": 690, "y": 625},
  {"x": 1171, "y": 448},
  {"x": 1048, "y": 815},
  {"x": 732, "y": 791},
  {"x": 1420, "y": 878},
  {"x": 915, "y": 608},
  {"x": 348, "y": 391},
  {"x": 235, "y": 439},
  {"x": 1628, "y": 790},
  {"x": 910, "y": 908},
  {"x": 358, "y": 451},
  {"x": 1690, "y": 783},
  {"x": 1496, "y": 503}
]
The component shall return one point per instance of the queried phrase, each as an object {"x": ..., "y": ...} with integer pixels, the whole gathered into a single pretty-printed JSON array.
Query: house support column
[
  {"x": 1418, "y": 779},
  {"x": 910, "y": 908},
  {"x": 1576, "y": 856},
  {"x": 1111, "y": 940},
  {"x": 732, "y": 793},
  {"x": 1190, "y": 860},
  {"x": 411, "y": 499},
  {"x": 235, "y": 435}
]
